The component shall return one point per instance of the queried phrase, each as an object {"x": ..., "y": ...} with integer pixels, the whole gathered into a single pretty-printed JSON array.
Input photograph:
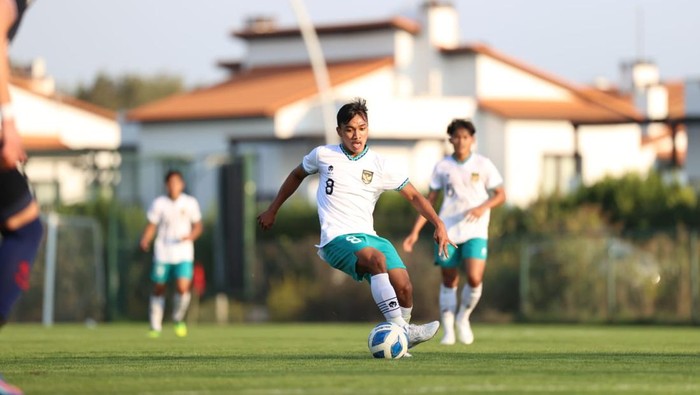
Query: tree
[{"x": 128, "y": 91}]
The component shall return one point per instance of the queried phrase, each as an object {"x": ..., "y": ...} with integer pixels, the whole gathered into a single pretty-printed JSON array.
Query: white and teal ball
[{"x": 387, "y": 340}]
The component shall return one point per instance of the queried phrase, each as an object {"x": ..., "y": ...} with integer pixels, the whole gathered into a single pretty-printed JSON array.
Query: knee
[
  {"x": 159, "y": 289},
  {"x": 474, "y": 281},
  {"x": 450, "y": 280},
  {"x": 183, "y": 288},
  {"x": 374, "y": 263},
  {"x": 404, "y": 287}
]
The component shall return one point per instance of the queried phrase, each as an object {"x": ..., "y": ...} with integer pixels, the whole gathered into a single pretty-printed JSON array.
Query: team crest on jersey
[
  {"x": 367, "y": 176},
  {"x": 475, "y": 177}
]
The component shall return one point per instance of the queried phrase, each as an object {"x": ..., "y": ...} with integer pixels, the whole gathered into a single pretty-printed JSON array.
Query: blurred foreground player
[{"x": 20, "y": 225}]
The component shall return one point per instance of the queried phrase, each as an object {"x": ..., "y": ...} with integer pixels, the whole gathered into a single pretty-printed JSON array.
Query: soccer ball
[{"x": 387, "y": 340}]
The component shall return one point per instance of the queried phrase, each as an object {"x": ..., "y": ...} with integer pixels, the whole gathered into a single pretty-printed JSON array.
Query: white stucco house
[
  {"x": 691, "y": 113},
  {"x": 71, "y": 144},
  {"x": 545, "y": 134}
]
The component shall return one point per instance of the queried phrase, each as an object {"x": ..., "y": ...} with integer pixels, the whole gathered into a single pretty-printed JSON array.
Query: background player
[
  {"x": 20, "y": 225},
  {"x": 178, "y": 221},
  {"x": 351, "y": 179},
  {"x": 471, "y": 186}
]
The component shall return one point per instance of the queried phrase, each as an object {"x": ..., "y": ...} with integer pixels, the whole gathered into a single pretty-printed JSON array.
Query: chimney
[
  {"x": 261, "y": 24},
  {"x": 442, "y": 23},
  {"x": 639, "y": 75}
]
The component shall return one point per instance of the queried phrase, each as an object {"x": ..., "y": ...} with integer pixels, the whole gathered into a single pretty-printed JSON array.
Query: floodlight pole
[
  {"x": 318, "y": 65},
  {"x": 47, "y": 313}
]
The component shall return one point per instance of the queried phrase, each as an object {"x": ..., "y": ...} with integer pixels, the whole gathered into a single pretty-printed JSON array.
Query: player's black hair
[
  {"x": 173, "y": 173},
  {"x": 356, "y": 107},
  {"x": 461, "y": 124}
]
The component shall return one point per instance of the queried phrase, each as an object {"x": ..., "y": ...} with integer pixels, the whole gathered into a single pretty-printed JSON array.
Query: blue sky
[{"x": 575, "y": 39}]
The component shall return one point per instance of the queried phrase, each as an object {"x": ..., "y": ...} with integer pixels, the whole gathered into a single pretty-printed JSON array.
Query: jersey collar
[
  {"x": 461, "y": 162},
  {"x": 349, "y": 154}
]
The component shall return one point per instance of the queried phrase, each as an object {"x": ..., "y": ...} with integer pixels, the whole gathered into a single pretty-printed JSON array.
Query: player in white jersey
[
  {"x": 178, "y": 222},
  {"x": 471, "y": 187},
  {"x": 351, "y": 179}
]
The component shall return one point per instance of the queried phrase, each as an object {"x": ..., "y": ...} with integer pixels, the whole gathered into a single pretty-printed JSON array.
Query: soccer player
[
  {"x": 20, "y": 225},
  {"x": 178, "y": 222},
  {"x": 351, "y": 179},
  {"x": 471, "y": 186}
]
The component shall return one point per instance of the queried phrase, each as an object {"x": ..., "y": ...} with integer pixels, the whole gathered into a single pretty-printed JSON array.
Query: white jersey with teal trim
[
  {"x": 349, "y": 188},
  {"x": 465, "y": 185},
  {"x": 174, "y": 219}
]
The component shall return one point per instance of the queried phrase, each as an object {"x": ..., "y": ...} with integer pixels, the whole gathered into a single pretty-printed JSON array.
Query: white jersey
[
  {"x": 174, "y": 219},
  {"x": 349, "y": 188},
  {"x": 465, "y": 185}
]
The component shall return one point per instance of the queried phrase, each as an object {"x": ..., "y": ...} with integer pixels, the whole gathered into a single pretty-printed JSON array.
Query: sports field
[{"x": 333, "y": 359}]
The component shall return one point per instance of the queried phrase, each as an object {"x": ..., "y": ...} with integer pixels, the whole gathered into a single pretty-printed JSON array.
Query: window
[{"x": 559, "y": 174}]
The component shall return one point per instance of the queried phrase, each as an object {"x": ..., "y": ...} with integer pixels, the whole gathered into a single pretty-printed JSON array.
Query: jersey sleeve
[
  {"x": 436, "y": 182},
  {"x": 153, "y": 214},
  {"x": 196, "y": 214},
  {"x": 493, "y": 176},
  {"x": 394, "y": 176},
  {"x": 310, "y": 162}
]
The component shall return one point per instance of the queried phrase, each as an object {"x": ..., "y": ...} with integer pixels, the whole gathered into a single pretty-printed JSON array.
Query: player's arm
[
  {"x": 11, "y": 150},
  {"x": 197, "y": 229},
  {"x": 147, "y": 236},
  {"x": 412, "y": 237},
  {"x": 425, "y": 209},
  {"x": 496, "y": 197},
  {"x": 267, "y": 218}
]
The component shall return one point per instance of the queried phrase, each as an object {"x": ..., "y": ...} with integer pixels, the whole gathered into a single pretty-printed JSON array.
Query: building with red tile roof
[
  {"x": 544, "y": 133},
  {"x": 63, "y": 136}
]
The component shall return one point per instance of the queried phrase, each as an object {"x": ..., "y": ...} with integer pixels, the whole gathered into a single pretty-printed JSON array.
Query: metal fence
[
  {"x": 640, "y": 279},
  {"x": 67, "y": 280}
]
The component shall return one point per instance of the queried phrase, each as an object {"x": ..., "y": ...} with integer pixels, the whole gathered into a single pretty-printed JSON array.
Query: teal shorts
[
  {"x": 471, "y": 249},
  {"x": 340, "y": 253},
  {"x": 162, "y": 272}
]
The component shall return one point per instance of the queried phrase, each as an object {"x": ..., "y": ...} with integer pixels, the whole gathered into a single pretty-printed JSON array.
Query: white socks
[
  {"x": 448, "y": 308},
  {"x": 180, "y": 305},
  {"x": 470, "y": 297},
  {"x": 155, "y": 312},
  {"x": 157, "y": 306},
  {"x": 385, "y": 298},
  {"x": 406, "y": 313},
  {"x": 448, "y": 299}
]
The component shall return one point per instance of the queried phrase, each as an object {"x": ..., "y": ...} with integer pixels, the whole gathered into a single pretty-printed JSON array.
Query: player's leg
[
  {"x": 474, "y": 257},
  {"x": 17, "y": 252},
  {"x": 448, "y": 303},
  {"x": 159, "y": 275},
  {"x": 353, "y": 255},
  {"x": 181, "y": 300},
  {"x": 21, "y": 236},
  {"x": 401, "y": 282},
  {"x": 449, "y": 269},
  {"x": 372, "y": 262}
]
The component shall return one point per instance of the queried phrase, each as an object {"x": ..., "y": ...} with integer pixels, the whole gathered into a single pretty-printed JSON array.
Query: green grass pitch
[{"x": 279, "y": 359}]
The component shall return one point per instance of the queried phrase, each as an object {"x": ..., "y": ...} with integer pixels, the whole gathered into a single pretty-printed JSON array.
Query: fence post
[
  {"x": 525, "y": 253},
  {"x": 50, "y": 269},
  {"x": 113, "y": 285},
  {"x": 694, "y": 279},
  {"x": 611, "y": 291}
]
